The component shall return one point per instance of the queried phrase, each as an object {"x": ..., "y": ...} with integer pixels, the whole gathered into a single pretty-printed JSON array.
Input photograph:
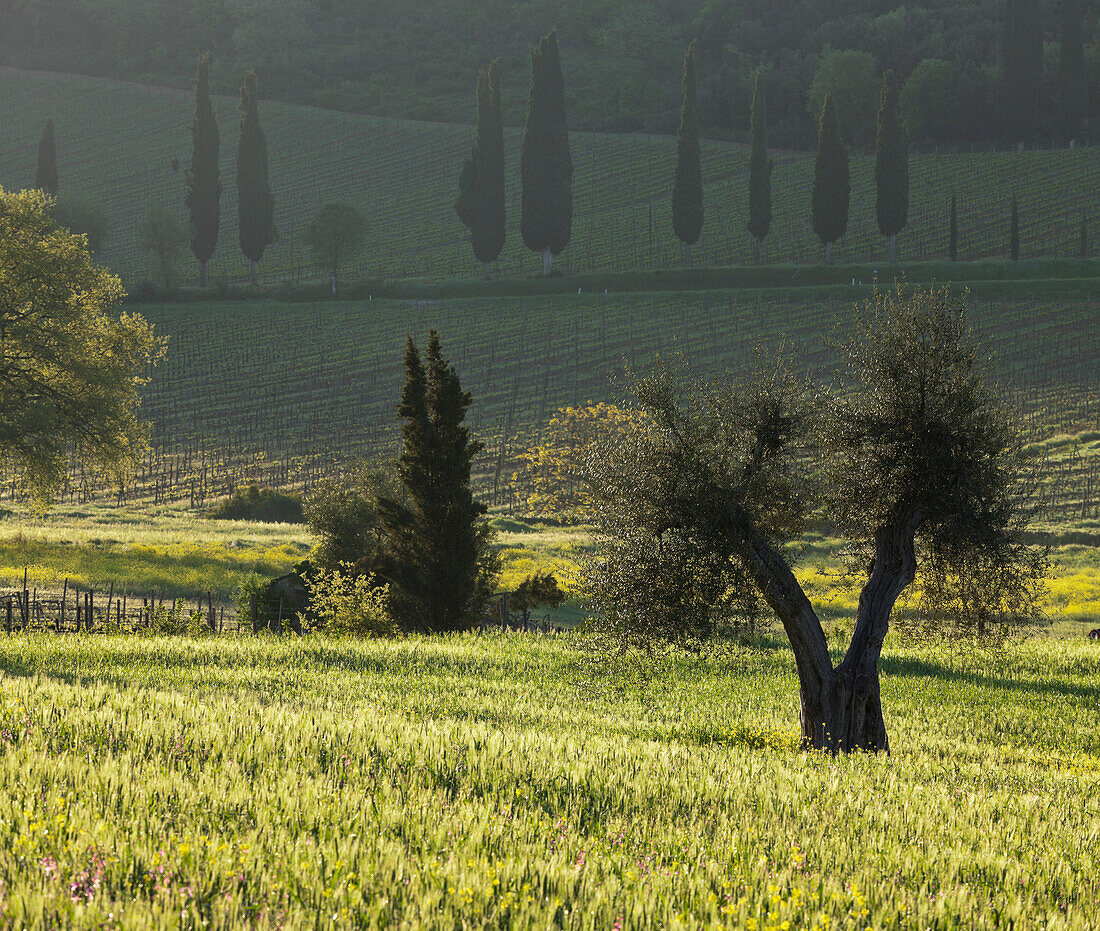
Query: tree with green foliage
[
  {"x": 1083, "y": 237},
  {"x": 891, "y": 166},
  {"x": 85, "y": 217},
  {"x": 45, "y": 176},
  {"x": 850, "y": 77},
  {"x": 917, "y": 460},
  {"x": 480, "y": 203},
  {"x": 953, "y": 229},
  {"x": 547, "y": 166},
  {"x": 1073, "y": 86},
  {"x": 832, "y": 184},
  {"x": 687, "y": 191},
  {"x": 1014, "y": 231},
  {"x": 162, "y": 236},
  {"x": 1022, "y": 68},
  {"x": 437, "y": 558},
  {"x": 255, "y": 202},
  {"x": 760, "y": 171},
  {"x": 336, "y": 234},
  {"x": 204, "y": 186},
  {"x": 73, "y": 369}
]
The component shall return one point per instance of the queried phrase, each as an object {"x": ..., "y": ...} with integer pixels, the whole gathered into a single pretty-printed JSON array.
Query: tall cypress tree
[
  {"x": 480, "y": 203},
  {"x": 547, "y": 167},
  {"x": 1022, "y": 66},
  {"x": 1014, "y": 231},
  {"x": 953, "y": 230},
  {"x": 45, "y": 177},
  {"x": 687, "y": 191},
  {"x": 1073, "y": 88},
  {"x": 256, "y": 204},
  {"x": 891, "y": 165},
  {"x": 437, "y": 558},
  {"x": 760, "y": 171},
  {"x": 204, "y": 187},
  {"x": 832, "y": 184}
]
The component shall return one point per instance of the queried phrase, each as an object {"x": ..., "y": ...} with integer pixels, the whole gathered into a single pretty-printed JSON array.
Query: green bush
[
  {"x": 343, "y": 602},
  {"x": 260, "y": 504}
]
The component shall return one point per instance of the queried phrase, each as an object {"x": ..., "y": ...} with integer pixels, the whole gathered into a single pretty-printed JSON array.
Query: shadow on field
[{"x": 924, "y": 668}]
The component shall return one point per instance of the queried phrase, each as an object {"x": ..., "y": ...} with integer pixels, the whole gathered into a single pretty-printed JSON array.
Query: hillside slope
[{"x": 117, "y": 142}]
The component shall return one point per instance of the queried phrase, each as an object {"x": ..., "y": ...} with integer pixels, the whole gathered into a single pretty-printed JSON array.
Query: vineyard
[
  {"x": 123, "y": 145},
  {"x": 285, "y": 394}
]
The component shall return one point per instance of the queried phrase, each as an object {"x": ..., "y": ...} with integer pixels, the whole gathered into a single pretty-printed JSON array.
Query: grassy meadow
[
  {"x": 117, "y": 142},
  {"x": 495, "y": 782}
]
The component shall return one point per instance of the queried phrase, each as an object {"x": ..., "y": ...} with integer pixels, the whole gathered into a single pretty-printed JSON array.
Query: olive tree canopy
[{"x": 915, "y": 459}]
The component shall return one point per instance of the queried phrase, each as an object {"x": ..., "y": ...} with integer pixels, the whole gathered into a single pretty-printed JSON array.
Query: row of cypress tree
[{"x": 546, "y": 169}]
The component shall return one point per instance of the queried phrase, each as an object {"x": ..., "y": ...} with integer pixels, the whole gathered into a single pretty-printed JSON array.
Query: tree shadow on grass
[{"x": 918, "y": 667}]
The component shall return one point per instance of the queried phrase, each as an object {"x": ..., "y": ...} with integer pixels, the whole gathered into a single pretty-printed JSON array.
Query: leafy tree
[
  {"x": 832, "y": 185},
  {"x": 80, "y": 215},
  {"x": 1083, "y": 237},
  {"x": 337, "y": 233},
  {"x": 760, "y": 171},
  {"x": 547, "y": 166},
  {"x": 162, "y": 237},
  {"x": 1014, "y": 230},
  {"x": 915, "y": 459},
  {"x": 204, "y": 187},
  {"x": 687, "y": 192},
  {"x": 480, "y": 203},
  {"x": 343, "y": 516},
  {"x": 45, "y": 176},
  {"x": 538, "y": 589},
  {"x": 953, "y": 230},
  {"x": 851, "y": 79},
  {"x": 1073, "y": 88},
  {"x": 891, "y": 166},
  {"x": 436, "y": 552},
  {"x": 930, "y": 100},
  {"x": 256, "y": 203},
  {"x": 1022, "y": 67},
  {"x": 72, "y": 369}
]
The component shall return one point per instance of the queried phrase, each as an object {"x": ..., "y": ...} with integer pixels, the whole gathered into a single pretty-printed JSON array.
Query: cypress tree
[
  {"x": 687, "y": 191},
  {"x": 437, "y": 558},
  {"x": 45, "y": 177},
  {"x": 1073, "y": 88},
  {"x": 204, "y": 187},
  {"x": 760, "y": 171},
  {"x": 1083, "y": 237},
  {"x": 547, "y": 167},
  {"x": 480, "y": 203},
  {"x": 953, "y": 230},
  {"x": 891, "y": 165},
  {"x": 832, "y": 184},
  {"x": 1022, "y": 64},
  {"x": 1014, "y": 231},
  {"x": 256, "y": 204}
]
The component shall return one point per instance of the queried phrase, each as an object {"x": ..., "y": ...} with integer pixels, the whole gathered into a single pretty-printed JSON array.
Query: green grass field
[
  {"x": 492, "y": 782},
  {"x": 116, "y": 143}
]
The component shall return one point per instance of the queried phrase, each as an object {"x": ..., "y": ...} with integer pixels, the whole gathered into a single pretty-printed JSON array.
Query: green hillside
[{"x": 117, "y": 142}]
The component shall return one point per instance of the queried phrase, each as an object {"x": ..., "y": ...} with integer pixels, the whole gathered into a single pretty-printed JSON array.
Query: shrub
[
  {"x": 260, "y": 504},
  {"x": 344, "y": 602}
]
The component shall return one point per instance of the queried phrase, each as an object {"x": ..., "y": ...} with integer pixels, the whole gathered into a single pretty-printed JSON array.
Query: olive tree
[
  {"x": 914, "y": 458},
  {"x": 70, "y": 367}
]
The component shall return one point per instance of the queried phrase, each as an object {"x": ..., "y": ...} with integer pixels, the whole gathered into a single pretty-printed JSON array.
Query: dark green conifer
[
  {"x": 760, "y": 171},
  {"x": 1014, "y": 231},
  {"x": 45, "y": 177},
  {"x": 891, "y": 165},
  {"x": 204, "y": 187},
  {"x": 1073, "y": 88},
  {"x": 832, "y": 184},
  {"x": 480, "y": 203},
  {"x": 953, "y": 230},
  {"x": 256, "y": 204},
  {"x": 1022, "y": 67},
  {"x": 687, "y": 191},
  {"x": 547, "y": 167},
  {"x": 1083, "y": 237},
  {"x": 437, "y": 558}
]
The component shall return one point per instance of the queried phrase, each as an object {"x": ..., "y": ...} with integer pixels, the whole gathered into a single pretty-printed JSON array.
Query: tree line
[{"x": 962, "y": 65}]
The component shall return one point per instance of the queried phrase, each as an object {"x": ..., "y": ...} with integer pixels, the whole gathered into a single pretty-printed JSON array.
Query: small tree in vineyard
[
  {"x": 204, "y": 186},
  {"x": 256, "y": 203},
  {"x": 687, "y": 191},
  {"x": 760, "y": 172},
  {"x": 45, "y": 176},
  {"x": 832, "y": 185},
  {"x": 337, "y": 234}
]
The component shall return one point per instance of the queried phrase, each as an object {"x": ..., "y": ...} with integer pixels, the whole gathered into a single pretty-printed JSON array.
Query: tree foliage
[
  {"x": 891, "y": 165},
  {"x": 204, "y": 186},
  {"x": 1073, "y": 89},
  {"x": 760, "y": 169},
  {"x": 337, "y": 234},
  {"x": 914, "y": 458},
  {"x": 687, "y": 190},
  {"x": 480, "y": 203},
  {"x": 547, "y": 166},
  {"x": 45, "y": 176},
  {"x": 832, "y": 184},
  {"x": 256, "y": 203},
  {"x": 162, "y": 236},
  {"x": 1022, "y": 68},
  {"x": 70, "y": 369}
]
